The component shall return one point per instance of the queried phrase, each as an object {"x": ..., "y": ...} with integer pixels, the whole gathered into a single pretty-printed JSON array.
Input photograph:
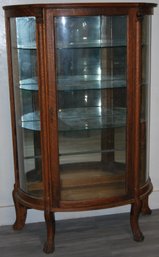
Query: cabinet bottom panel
[
  {"x": 86, "y": 181},
  {"x": 102, "y": 203},
  {"x": 91, "y": 180},
  {"x": 82, "y": 205}
]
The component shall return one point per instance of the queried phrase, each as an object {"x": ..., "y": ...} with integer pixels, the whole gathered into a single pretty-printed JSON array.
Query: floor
[{"x": 104, "y": 236}]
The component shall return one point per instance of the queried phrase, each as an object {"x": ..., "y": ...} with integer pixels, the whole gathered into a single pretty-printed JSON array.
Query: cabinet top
[{"x": 80, "y": 5}]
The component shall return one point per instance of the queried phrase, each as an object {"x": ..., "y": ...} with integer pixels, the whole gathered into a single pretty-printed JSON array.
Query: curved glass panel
[
  {"x": 145, "y": 104},
  {"x": 92, "y": 90},
  {"x": 24, "y": 64}
]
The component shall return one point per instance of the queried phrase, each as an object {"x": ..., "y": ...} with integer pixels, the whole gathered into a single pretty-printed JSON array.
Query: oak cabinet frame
[{"x": 51, "y": 192}]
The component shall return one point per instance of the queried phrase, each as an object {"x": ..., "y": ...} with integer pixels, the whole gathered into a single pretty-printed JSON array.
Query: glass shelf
[
  {"x": 92, "y": 152},
  {"x": 90, "y": 44},
  {"x": 80, "y": 119},
  {"x": 78, "y": 83},
  {"x": 89, "y": 82},
  {"x": 91, "y": 118},
  {"x": 31, "y": 121},
  {"x": 29, "y": 84},
  {"x": 27, "y": 47}
]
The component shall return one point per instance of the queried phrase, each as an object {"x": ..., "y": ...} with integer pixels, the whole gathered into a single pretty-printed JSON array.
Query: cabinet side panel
[
  {"x": 26, "y": 103},
  {"x": 145, "y": 99}
]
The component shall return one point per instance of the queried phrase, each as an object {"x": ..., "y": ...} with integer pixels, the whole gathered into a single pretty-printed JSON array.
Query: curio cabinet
[{"x": 79, "y": 90}]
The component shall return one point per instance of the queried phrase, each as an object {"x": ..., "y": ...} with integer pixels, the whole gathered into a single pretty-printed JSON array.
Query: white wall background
[{"x": 7, "y": 214}]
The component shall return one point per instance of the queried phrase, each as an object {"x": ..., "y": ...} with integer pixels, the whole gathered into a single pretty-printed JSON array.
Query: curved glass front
[
  {"x": 145, "y": 101},
  {"x": 27, "y": 118}
]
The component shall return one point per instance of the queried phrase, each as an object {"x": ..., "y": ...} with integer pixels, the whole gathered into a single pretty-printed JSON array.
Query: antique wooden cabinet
[{"x": 79, "y": 89}]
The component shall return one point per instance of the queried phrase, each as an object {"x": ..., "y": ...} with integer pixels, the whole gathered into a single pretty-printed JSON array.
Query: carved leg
[
  {"x": 134, "y": 217},
  {"x": 21, "y": 212},
  {"x": 50, "y": 225},
  {"x": 145, "y": 210}
]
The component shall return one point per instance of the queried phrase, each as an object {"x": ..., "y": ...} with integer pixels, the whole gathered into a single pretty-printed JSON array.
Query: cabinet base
[
  {"x": 145, "y": 210},
  {"x": 49, "y": 246},
  {"x": 21, "y": 213},
  {"x": 134, "y": 221},
  {"x": 138, "y": 206}
]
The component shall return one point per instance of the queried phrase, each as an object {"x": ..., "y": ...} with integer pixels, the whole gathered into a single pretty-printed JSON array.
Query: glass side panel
[
  {"x": 92, "y": 105},
  {"x": 26, "y": 99},
  {"x": 145, "y": 87}
]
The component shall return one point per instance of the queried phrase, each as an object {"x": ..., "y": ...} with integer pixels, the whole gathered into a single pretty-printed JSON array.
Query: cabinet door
[
  {"x": 26, "y": 103},
  {"x": 91, "y": 83}
]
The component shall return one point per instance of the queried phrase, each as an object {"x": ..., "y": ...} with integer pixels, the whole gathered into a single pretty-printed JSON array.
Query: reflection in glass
[
  {"x": 91, "y": 82},
  {"x": 24, "y": 58},
  {"x": 26, "y": 36}
]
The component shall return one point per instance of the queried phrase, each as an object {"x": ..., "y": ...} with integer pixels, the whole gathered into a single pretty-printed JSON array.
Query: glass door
[
  {"x": 26, "y": 102},
  {"x": 91, "y": 78}
]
